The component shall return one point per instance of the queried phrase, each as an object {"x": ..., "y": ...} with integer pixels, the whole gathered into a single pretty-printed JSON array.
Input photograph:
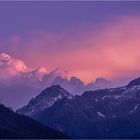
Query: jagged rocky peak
[
  {"x": 135, "y": 82},
  {"x": 101, "y": 81},
  {"x": 74, "y": 80},
  {"x": 45, "y": 100},
  {"x": 59, "y": 72},
  {"x": 54, "y": 90},
  {"x": 60, "y": 81}
]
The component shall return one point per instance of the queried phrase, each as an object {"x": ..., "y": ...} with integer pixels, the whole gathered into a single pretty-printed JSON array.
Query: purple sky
[
  {"x": 18, "y": 17},
  {"x": 43, "y": 33}
]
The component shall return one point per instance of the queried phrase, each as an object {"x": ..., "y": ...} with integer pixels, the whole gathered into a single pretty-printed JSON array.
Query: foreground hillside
[{"x": 16, "y": 126}]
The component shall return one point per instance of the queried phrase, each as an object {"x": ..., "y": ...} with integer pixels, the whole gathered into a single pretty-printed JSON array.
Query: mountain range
[
  {"x": 106, "y": 113},
  {"x": 67, "y": 105}
]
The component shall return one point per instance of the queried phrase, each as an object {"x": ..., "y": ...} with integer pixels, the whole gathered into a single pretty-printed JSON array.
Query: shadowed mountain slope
[{"x": 16, "y": 126}]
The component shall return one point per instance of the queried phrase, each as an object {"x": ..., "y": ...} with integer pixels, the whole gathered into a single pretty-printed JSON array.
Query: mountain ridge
[{"x": 109, "y": 112}]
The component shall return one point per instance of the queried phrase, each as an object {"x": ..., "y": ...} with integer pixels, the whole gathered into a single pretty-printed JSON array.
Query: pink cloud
[{"x": 113, "y": 51}]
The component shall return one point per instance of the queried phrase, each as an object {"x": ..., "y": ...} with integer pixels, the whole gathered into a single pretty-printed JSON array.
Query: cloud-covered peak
[
  {"x": 61, "y": 72},
  {"x": 103, "y": 83},
  {"x": 39, "y": 73},
  {"x": 101, "y": 80}
]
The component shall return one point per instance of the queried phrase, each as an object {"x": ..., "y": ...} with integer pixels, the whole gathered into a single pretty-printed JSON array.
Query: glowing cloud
[{"x": 112, "y": 51}]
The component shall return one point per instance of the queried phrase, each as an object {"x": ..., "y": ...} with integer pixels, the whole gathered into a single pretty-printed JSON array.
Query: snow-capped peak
[{"x": 45, "y": 99}]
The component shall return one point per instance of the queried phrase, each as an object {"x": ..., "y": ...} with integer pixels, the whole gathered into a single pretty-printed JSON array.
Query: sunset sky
[{"x": 89, "y": 39}]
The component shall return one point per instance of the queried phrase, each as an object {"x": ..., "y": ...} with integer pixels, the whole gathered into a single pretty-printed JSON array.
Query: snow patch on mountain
[
  {"x": 45, "y": 100},
  {"x": 101, "y": 114}
]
